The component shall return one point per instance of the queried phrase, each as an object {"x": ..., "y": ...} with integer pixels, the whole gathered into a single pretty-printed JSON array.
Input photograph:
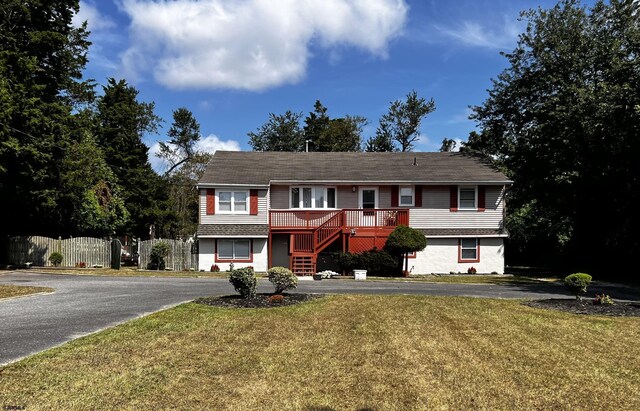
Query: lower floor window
[
  {"x": 239, "y": 249},
  {"x": 469, "y": 249}
]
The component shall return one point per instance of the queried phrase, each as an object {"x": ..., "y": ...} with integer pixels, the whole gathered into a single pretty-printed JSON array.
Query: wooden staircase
[{"x": 306, "y": 247}]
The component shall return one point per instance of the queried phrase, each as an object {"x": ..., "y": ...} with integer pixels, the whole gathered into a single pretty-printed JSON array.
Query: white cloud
[
  {"x": 95, "y": 20},
  {"x": 208, "y": 144},
  {"x": 253, "y": 44},
  {"x": 474, "y": 34}
]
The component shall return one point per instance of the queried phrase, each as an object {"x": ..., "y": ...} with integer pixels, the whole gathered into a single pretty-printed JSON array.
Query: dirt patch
[
  {"x": 261, "y": 300},
  {"x": 586, "y": 306}
]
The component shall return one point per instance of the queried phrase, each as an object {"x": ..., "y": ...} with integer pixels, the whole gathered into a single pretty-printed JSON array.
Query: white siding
[
  {"x": 441, "y": 257},
  {"x": 260, "y": 218},
  {"x": 207, "y": 248},
  {"x": 435, "y": 210}
]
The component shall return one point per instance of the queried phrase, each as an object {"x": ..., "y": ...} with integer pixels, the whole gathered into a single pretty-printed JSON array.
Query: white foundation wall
[
  {"x": 441, "y": 257},
  {"x": 207, "y": 256}
]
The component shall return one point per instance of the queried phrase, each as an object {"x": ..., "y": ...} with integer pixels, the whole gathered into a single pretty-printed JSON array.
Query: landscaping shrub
[
  {"x": 244, "y": 281},
  {"x": 603, "y": 299},
  {"x": 215, "y": 268},
  {"x": 577, "y": 283},
  {"x": 56, "y": 259},
  {"x": 402, "y": 241},
  {"x": 159, "y": 252},
  {"x": 471, "y": 270},
  {"x": 282, "y": 279},
  {"x": 378, "y": 263}
]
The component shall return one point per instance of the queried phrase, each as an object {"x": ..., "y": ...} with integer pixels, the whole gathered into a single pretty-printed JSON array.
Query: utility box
[{"x": 360, "y": 275}]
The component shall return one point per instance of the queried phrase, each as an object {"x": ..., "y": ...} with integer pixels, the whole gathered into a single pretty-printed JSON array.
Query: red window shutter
[
  {"x": 453, "y": 198},
  {"x": 482, "y": 190},
  {"x": 253, "y": 202},
  {"x": 418, "y": 194},
  {"x": 211, "y": 201},
  {"x": 394, "y": 195}
]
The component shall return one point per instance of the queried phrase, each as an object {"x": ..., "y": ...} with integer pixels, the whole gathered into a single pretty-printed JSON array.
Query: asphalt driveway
[{"x": 82, "y": 305}]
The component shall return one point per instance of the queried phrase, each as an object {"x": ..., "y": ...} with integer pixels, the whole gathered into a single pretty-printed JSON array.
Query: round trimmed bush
[
  {"x": 56, "y": 259},
  {"x": 577, "y": 283},
  {"x": 282, "y": 279},
  {"x": 244, "y": 281}
]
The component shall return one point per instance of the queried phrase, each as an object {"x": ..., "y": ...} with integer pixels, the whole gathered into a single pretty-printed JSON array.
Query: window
[
  {"x": 233, "y": 202},
  {"x": 467, "y": 196},
  {"x": 406, "y": 196},
  {"x": 469, "y": 250},
  {"x": 239, "y": 249},
  {"x": 313, "y": 197}
]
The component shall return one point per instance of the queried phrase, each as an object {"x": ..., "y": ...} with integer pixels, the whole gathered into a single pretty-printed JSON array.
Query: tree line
[{"x": 72, "y": 160}]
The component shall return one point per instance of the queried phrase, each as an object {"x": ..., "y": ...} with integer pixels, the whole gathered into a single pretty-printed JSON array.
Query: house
[{"x": 266, "y": 209}]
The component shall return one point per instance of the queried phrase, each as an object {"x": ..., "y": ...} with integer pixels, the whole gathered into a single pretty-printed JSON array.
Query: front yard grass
[
  {"x": 341, "y": 352},
  {"x": 7, "y": 291}
]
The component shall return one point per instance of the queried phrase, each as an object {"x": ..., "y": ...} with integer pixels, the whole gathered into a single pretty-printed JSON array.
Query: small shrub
[
  {"x": 328, "y": 274},
  {"x": 159, "y": 252},
  {"x": 577, "y": 283},
  {"x": 244, "y": 282},
  {"x": 215, "y": 268},
  {"x": 603, "y": 299},
  {"x": 471, "y": 270},
  {"x": 81, "y": 264},
  {"x": 378, "y": 263},
  {"x": 282, "y": 279},
  {"x": 56, "y": 259},
  {"x": 276, "y": 299}
]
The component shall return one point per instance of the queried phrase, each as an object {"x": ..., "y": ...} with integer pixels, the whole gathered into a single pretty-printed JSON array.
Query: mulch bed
[
  {"x": 261, "y": 300},
  {"x": 586, "y": 306}
]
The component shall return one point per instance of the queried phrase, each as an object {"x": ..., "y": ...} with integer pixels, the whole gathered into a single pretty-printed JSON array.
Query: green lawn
[
  {"x": 342, "y": 352},
  {"x": 7, "y": 291}
]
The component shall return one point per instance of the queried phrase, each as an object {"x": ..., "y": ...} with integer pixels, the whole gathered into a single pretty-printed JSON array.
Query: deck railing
[{"x": 352, "y": 218}]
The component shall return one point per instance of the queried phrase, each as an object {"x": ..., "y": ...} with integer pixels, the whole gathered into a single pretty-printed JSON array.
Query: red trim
[
  {"x": 253, "y": 202},
  {"x": 412, "y": 255},
  {"x": 418, "y": 196},
  {"x": 482, "y": 191},
  {"x": 394, "y": 195},
  {"x": 249, "y": 260},
  {"x": 460, "y": 260},
  {"x": 453, "y": 198},
  {"x": 211, "y": 201}
]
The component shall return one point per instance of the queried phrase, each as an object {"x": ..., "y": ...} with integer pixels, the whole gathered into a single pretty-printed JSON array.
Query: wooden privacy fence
[
  {"x": 36, "y": 250},
  {"x": 183, "y": 255}
]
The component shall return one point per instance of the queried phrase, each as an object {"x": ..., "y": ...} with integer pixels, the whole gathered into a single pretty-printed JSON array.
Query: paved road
[{"x": 85, "y": 304}]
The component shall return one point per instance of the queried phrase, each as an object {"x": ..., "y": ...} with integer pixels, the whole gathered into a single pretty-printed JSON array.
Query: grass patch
[
  {"x": 7, "y": 291},
  {"x": 342, "y": 352}
]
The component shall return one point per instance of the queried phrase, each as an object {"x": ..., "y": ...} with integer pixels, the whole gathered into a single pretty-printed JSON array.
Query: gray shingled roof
[
  {"x": 457, "y": 232},
  {"x": 261, "y": 168},
  {"x": 233, "y": 230}
]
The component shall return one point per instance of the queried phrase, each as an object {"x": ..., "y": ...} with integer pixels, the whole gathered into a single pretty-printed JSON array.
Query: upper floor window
[
  {"x": 406, "y": 196},
  {"x": 313, "y": 197},
  {"x": 468, "y": 200},
  {"x": 233, "y": 202}
]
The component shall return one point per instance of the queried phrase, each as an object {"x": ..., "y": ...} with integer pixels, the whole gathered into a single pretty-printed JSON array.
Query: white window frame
[
  {"x": 233, "y": 202},
  {"x": 234, "y": 257},
  {"x": 413, "y": 196},
  {"x": 313, "y": 197},
  {"x": 475, "y": 197},
  {"x": 476, "y": 248}
]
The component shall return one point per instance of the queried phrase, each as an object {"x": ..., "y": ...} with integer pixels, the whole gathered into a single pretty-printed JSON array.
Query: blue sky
[{"x": 233, "y": 62}]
